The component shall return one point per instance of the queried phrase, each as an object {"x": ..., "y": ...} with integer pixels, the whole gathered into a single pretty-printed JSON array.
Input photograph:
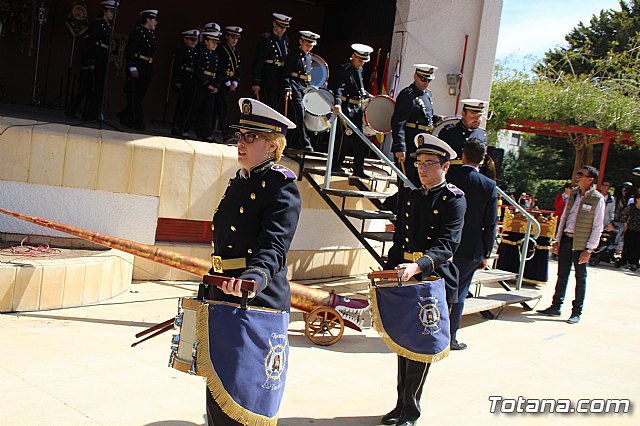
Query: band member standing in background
[
  {"x": 208, "y": 76},
  {"x": 94, "y": 65},
  {"x": 230, "y": 60},
  {"x": 184, "y": 59},
  {"x": 427, "y": 235},
  {"x": 271, "y": 52},
  {"x": 256, "y": 220},
  {"x": 139, "y": 54},
  {"x": 413, "y": 114},
  {"x": 350, "y": 92},
  {"x": 296, "y": 75},
  {"x": 468, "y": 127}
]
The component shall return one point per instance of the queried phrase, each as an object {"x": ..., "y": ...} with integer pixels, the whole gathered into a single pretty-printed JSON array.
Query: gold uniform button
[
  {"x": 230, "y": 246},
  {"x": 253, "y": 196},
  {"x": 406, "y": 214},
  {"x": 212, "y": 226},
  {"x": 406, "y": 239},
  {"x": 444, "y": 197},
  {"x": 408, "y": 203},
  {"x": 249, "y": 251},
  {"x": 233, "y": 228},
  {"x": 264, "y": 184},
  {"x": 428, "y": 238},
  {"x": 435, "y": 211},
  {"x": 241, "y": 210},
  {"x": 406, "y": 226}
]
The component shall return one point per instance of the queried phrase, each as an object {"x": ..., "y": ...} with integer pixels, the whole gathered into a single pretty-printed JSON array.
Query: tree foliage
[{"x": 610, "y": 34}]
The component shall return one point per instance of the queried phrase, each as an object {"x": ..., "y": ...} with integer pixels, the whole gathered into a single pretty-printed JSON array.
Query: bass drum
[
  {"x": 319, "y": 71},
  {"x": 318, "y": 104},
  {"x": 377, "y": 115},
  {"x": 449, "y": 119}
]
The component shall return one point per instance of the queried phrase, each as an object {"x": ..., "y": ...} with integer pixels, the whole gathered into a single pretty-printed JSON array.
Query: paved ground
[{"x": 75, "y": 366}]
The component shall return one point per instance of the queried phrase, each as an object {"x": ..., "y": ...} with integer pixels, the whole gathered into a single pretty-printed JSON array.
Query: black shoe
[
  {"x": 391, "y": 418},
  {"x": 406, "y": 422},
  {"x": 574, "y": 319},
  {"x": 550, "y": 312},
  {"x": 457, "y": 346}
]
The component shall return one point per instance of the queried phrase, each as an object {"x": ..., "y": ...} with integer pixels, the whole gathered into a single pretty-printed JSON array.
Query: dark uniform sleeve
[
  {"x": 398, "y": 120},
  {"x": 279, "y": 222},
  {"x": 95, "y": 29},
  {"x": 489, "y": 222},
  {"x": 262, "y": 52},
  {"x": 178, "y": 62},
  {"x": 289, "y": 66},
  {"x": 341, "y": 85},
  {"x": 132, "y": 47},
  {"x": 449, "y": 238}
]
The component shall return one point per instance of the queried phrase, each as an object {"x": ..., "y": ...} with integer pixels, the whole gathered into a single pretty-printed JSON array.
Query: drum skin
[
  {"x": 377, "y": 113},
  {"x": 319, "y": 71}
]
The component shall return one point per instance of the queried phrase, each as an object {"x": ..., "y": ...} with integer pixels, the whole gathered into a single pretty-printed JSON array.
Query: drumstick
[
  {"x": 403, "y": 169},
  {"x": 162, "y": 330},
  {"x": 155, "y": 327}
]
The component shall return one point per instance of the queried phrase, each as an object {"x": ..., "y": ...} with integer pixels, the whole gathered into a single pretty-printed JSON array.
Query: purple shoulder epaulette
[
  {"x": 455, "y": 190},
  {"x": 286, "y": 172}
]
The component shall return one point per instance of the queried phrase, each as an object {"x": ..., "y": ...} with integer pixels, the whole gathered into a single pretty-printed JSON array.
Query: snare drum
[
  {"x": 377, "y": 113},
  {"x": 184, "y": 345},
  {"x": 318, "y": 104}
]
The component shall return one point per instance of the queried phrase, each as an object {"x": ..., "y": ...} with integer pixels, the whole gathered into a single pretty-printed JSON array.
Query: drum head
[
  {"x": 319, "y": 71},
  {"x": 318, "y": 101},
  {"x": 317, "y": 124},
  {"x": 451, "y": 119},
  {"x": 378, "y": 112}
]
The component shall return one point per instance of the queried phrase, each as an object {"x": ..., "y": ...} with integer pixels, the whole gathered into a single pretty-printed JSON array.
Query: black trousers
[
  {"x": 136, "y": 90},
  {"x": 270, "y": 88},
  {"x": 183, "y": 106},
  {"x": 301, "y": 137},
  {"x": 350, "y": 144},
  {"x": 411, "y": 378},
  {"x": 567, "y": 257},
  {"x": 631, "y": 250},
  {"x": 226, "y": 100},
  {"x": 202, "y": 112},
  {"x": 215, "y": 415}
]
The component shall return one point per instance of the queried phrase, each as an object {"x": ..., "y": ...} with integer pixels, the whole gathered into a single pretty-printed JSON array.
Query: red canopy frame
[{"x": 607, "y": 137}]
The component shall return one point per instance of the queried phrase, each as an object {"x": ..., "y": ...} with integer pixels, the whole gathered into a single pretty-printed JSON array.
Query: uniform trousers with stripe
[{"x": 411, "y": 378}]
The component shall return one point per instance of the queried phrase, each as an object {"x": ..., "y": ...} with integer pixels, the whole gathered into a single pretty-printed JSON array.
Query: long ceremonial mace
[{"x": 302, "y": 297}]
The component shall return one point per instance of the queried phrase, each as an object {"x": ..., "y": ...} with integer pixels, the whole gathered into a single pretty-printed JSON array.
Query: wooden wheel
[{"x": 324, "y": 326}]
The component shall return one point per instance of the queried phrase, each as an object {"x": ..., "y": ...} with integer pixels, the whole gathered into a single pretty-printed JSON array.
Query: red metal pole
[
  {"x": 464, "y": 58},
  {"x": 603, "y": 159}
]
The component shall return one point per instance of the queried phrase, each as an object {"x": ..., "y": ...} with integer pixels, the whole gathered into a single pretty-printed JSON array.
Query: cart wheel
[{"x": 324, "y": 326}]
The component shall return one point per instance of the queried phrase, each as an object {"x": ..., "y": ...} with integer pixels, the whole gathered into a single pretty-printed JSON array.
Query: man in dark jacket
[
  {"x": 479, "y": 231},
  {"x": 139, "y": 55},
  {"x": 273, "y": 48},
  {"x": 349, "y": 96},
  {"x": 468, "y": 127},
  {"x": 427, "y": 235},
  {"x": 184, "y": 59}
]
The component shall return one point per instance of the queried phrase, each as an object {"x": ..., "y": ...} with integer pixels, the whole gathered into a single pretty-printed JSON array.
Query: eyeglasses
[
  {"x": 581, "y": 173},
  {"x": 424, "y": 79},
  {"x": 248, "y": 138},
  {"x": 425, "y": 164}
]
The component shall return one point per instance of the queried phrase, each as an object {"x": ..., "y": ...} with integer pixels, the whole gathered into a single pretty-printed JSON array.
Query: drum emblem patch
[
  {"x": 429, "y": 315},
  {"x": 276, "y": 361}
]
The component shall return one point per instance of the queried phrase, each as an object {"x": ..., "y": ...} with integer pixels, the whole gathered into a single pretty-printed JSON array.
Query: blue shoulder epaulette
[
  {"x": 455, "y": 190},
  {"x": 286, "y": 172}
]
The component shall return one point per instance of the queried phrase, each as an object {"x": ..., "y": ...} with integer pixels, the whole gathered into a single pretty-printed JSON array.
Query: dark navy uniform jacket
[
  {"x": 184, "y": 60},
  {"x": 413, "y": 114},
  {"x": 350, "y": 86},
  {"x": 141, "y": 49},
  {"x": 479, "y": 232},
  {"x": 230, "y": 57},
  {"x": 269, "y": 61},
  {"x": 208, "y": 68},
  {"x": 431, "y": 223},
  {"x": 457, "y": 134},
  {"x": 296, "y": 73},
  {"x": 256, "y": 219},
  {"x": 97, "y": 43}
]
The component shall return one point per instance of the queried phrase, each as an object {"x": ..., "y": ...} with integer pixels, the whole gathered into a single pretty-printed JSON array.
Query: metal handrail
[
  {"x": 527, "y": 234},
  {"x": 371, "y": 145}
]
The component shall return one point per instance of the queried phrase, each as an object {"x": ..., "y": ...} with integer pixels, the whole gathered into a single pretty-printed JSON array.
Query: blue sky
[{"x": 530, "y": 28}]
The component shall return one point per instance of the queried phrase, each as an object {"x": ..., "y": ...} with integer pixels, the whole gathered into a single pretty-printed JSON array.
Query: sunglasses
[
  {"x": 424, "y": 79},
  {"x": 581, "y": 173},
  {"x": 248, "y": 138}
]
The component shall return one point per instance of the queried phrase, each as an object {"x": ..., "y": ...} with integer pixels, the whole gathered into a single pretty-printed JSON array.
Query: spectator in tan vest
[{"x": 577, "y": 236}]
